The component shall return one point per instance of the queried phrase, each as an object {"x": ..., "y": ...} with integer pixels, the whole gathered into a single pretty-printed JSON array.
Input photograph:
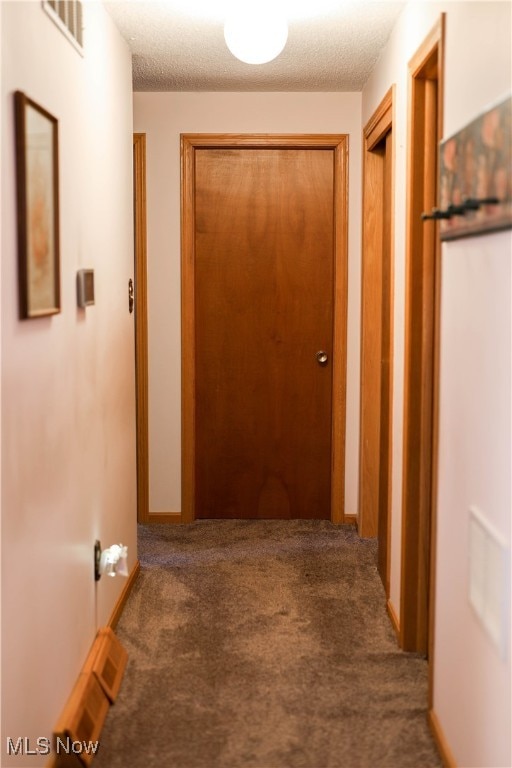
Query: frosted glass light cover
[{"x": 255, "y": 35}]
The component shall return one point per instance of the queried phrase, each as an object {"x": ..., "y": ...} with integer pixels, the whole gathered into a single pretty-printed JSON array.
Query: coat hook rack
[
  {"x": 436, "y": 213},
  {"x": 468, "y": 204}
]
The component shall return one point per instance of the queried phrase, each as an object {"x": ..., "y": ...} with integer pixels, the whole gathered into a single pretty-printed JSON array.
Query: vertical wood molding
[
  {"x": 375, "y": 162},
  {"x": 339, "y": 383},
  {"x": 394, "y": 619},
  {"x": 188, "y": 370},
  {"x": 440, "y": 740},
  {"x": 189, "y": 144},
  {"x": 440, "y": 33},
  {"x": 371, "y": 282},
  {"x": 387, "y": 351},
  {"x": 421, "y": 346},
  {"x": 141, "y": 325}
]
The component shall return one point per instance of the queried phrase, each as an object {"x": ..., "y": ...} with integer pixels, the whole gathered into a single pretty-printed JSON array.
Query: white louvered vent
[{"x": 67, "y": 15}]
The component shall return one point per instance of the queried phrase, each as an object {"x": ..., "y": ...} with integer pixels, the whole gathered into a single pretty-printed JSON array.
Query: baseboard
[
  {"x": 440, "y": 740},
  {"x": 123, "y": 597},
  {"x": 96, "y": 687},
  {"x": 164, "y": 517},
  {"x": 350, "y": 520},
  {"x": 83, "y": 716},
  {"x": 395, "y": 622}
]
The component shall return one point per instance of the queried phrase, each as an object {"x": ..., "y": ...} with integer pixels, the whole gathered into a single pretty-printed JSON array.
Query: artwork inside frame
[
  {"x": 475, "y": 168},
  {"x": 37, "y": 172}
]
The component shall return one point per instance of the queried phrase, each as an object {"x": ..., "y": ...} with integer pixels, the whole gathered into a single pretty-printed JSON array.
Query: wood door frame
[
  {"x": 374, "y": 168},
  {"x": 421, "y": 364},
  {"x": 189, "y": 144},
  {"x": 141, "y": 324}
]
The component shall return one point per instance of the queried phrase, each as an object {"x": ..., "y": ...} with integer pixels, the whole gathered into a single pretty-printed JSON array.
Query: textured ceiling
[{"x": 178, "y": 45}]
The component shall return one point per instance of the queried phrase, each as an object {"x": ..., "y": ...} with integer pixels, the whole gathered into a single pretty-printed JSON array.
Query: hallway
[
  {"x": 264, "y": 644},
  {"x": 70, "y": 393}
]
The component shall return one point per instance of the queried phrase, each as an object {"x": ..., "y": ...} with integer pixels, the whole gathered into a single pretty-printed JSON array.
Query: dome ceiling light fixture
[{"x": 256, "y": 33}]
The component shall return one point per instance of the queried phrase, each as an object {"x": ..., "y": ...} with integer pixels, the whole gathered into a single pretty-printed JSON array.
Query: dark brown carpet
[{"x": 263, "y": 644}]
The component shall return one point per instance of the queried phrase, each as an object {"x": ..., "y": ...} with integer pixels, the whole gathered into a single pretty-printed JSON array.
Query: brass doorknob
[{"x": 322, "y": 357}]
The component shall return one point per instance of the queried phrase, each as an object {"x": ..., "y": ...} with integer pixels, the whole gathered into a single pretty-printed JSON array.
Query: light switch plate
[{"x": 85, "y": 287}]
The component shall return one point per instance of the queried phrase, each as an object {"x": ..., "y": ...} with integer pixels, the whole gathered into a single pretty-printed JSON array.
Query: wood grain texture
[
  {"x": 441, "y": 740},
  {"x": 165, "y": 517},
  {"x": 141, "y": 324},
  {"x": 378, "y": 125},
  {"x": 107, "y": 661},
  {"x": 264, "y": 306},
  {"x": 188, "y": 371},
  {"x": 123, "y": 597},
  {"x": 83, "y": 716},
  {"x": 274, "y": 493},
  {"x": 421, "y": 320},
  {"x": 395, "y": 622},
  {"x": 339, "y": 361},
  {"x": 440, "y": 36},
  {"x": 371, "y": 313},
  {"x": 386, "y": 370},
  {"x": 376, "y": 330}
]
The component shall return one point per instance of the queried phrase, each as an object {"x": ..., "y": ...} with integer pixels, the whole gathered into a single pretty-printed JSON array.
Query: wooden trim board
[
  {"x": 141, "y": 324},
  {"x": 123, "y": 597},
  {"x": 165, "y": 517},
  {"x": 377, "y": 329},
  {"x": 189, "y": 144},
  {"x": 440, "y": 740},
  {"x": 107, "y": 661},
  {"x": 96, "y": 687},
  {"x": 440, "y": 32},
  {"x": 394, "y": 619},
  {"x": 82, "y": 718},
  {"x": 421, "y": 345},
  {"x": 380, "y": 122}
]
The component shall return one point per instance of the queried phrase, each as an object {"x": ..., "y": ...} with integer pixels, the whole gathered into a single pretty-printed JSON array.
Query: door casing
[
  {"x": 377, "y": 332},
  {"x": 141, "y": 325},
  {"x": 421, "y": 364},
  {"x": 189, "y": 144}
]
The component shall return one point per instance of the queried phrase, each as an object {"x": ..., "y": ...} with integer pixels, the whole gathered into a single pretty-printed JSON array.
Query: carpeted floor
[{"x": 263, "y": 644}]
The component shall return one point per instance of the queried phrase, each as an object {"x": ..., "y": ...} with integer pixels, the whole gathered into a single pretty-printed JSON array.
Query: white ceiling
[{"x": 178, "y": 45}]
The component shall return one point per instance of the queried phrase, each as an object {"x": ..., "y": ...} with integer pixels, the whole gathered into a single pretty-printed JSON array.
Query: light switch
[{"x": 85, "y": 287}]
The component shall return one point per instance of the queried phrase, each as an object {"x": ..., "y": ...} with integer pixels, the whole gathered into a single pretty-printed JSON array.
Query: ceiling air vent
[{"x": 67, "y": 15}]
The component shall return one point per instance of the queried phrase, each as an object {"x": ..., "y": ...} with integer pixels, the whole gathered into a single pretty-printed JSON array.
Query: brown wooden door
[{"x": 264, "y": 269}]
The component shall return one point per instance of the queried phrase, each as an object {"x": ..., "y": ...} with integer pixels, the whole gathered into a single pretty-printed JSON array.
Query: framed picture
[
  {"x": 475, "y": 170},
  {"x": 37, "y": 171}
]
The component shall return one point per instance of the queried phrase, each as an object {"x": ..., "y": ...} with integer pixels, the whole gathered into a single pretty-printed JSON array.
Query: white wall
[
  {"x": 163, "y": 116},
  {"x": 472, "y": 683},
  {"x": 68, "y": 432}
]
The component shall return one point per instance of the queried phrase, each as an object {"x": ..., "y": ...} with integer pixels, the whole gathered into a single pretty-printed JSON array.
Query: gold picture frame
[{"x": 37, "y": 175}]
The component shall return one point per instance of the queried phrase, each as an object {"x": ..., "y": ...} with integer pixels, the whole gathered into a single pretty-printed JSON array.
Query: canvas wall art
[
  {"x": 476, "y": 175},
  {"x": 38, "y": 208}
]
